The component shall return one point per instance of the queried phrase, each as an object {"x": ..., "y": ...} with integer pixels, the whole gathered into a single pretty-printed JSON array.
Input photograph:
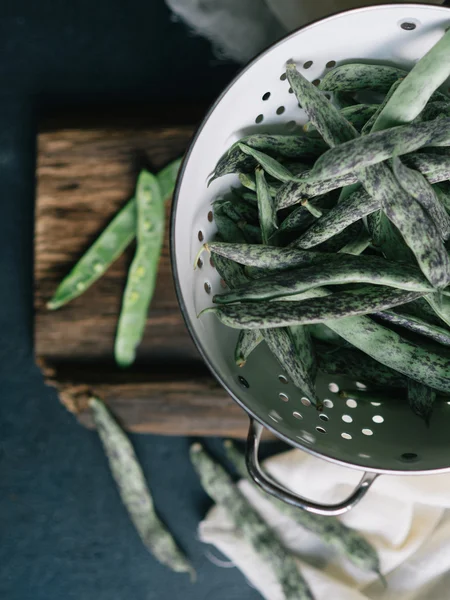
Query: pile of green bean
[
  {"x": 338, "y": 236},
  {"x": 142, "y": 218}
]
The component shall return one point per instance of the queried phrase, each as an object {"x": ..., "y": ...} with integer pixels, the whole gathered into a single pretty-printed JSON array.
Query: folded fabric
[{"x": 404, "y": 517}]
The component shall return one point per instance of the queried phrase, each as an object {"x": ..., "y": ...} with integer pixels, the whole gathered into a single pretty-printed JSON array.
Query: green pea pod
[
  {"x": 272, "y": 314},
  {"x": 327, "y": 119},
  {"x": 134, "y": 491},
  {"x": 111, "y": 243},
  {"x": 415, "y": 184},
  {"x": 357, "y": 115},
  {"x": 370, "y": 123},
  {"x": 434, "y": 167},
  {"x": 248, "y": 340},
  {"x": 441, "y": 306},
  {"x": 412, "y": 95},
  {"x": 288, "y": 146},
  {"x": 294, "y": 192},
  {"x": 167, "y": 178},
  {"x": 343, "y": 269},
  {"x": 324, "y": 334},
  {"x": 269, "y": 164},
  {"x": 354, "y": 77},
  {"x": 377, "y": 147},
  {"x": 266, "y": 209},
  {"x": 415, "y": 226},
  {"x": 417, "y": 325},
  {"x": 395, "y": 352},
  {"x": 143, "y": 270},
  {"x": 232, "y": 273},
  {"x": 266, "y": 257},
  {"x": 329, "y": 530},
  {"x": 359, "y": 367},
  {"x": 252, "y": 233},
  {"x": 357, "y": 246},
  {"x": 248, "y": 180},
  {"x": 340, "y": 240},
  {"x": 299, "y": 220},
  {"x": 290, "y": 350},
  {"x": 421, "y": 399},
  {"x": 226, "y": 227},
  {"x": 356, "y": 206},
  {"x": 220, "y": 487},
  {"x": 239, "y": 210},
  {"x": 433, "y": 110}
]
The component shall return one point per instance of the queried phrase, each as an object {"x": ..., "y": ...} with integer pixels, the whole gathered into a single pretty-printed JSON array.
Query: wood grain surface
[{"x": 84, "y": 177}]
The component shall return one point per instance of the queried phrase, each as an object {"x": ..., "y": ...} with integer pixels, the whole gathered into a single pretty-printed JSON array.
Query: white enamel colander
[{"x": 373, "y": 437}]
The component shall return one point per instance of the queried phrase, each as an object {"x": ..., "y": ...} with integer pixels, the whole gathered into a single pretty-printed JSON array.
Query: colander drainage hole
[
  {"x": 297, "y": 415},
  {"x": 308, "y": 64},
  {"x": 333, "y": 387},
  {"x": 199, "y": 262},
  {"x": 347, "y": 419},
  {"x": 291, "y": 125},
  {"x": 316, "y": 82},
  {"x": 259, "y": 119},
  {"x": 321, "y": 430},
  {"x": 207, "y": 287},
  {"x": 283, "y": 397},
  {"x": 211, "y": 262},
  {"x": 291, "y": 91},
  {"x": 409, "y": 457},
  {"x": 351, "y": 403},
  {"x": 282, "y": 379},
  {"x": 283, "y": 76},
  {"x": 305, "y": 401},
  {"x": 360, "y": 386},
  {"x": 328, "y": 403},
  {"x": 243, "y": 381},
  {"x": 323, "y": 417},
  {"x": 266, "y": 96},
  {"x": 377, "y": 419},
  {"x": 200, "y": 236},
  {"x": 346, "y": 436},
  {"x": 210, "y": 216},
  {"x": 367, "y": 432},
  {"x": 280, "y": 110},
  {"x": 407, "y": 26},
  {"x": 330, "y": 64}
]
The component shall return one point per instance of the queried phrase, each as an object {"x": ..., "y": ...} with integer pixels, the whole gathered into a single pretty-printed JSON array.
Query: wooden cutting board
[{"x": 84, "y": 177}]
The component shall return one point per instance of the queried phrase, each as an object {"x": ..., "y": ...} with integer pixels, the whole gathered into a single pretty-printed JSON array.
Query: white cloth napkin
[{"x": 404, "y": 517}]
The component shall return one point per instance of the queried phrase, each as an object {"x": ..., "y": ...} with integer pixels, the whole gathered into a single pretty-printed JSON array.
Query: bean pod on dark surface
[
  {"x": 220, "y": 487},
  {"x": 134, "y": 491}
]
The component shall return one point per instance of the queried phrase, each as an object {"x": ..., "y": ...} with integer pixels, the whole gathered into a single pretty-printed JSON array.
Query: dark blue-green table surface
[{"x": 63, "y": 531}]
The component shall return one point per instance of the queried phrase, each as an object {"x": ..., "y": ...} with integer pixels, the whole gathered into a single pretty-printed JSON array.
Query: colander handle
[{"x": 271, "y": 487}]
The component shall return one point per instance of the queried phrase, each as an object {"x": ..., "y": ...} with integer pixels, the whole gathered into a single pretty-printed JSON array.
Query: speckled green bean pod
[
  {"x": 220, "y": 487},
  {"x": 278, "y": 313},
  {"x": 134, "y": 491}
]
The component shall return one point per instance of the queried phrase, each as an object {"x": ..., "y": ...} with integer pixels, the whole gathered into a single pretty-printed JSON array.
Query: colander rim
[{"x": 176, "y": 277}]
